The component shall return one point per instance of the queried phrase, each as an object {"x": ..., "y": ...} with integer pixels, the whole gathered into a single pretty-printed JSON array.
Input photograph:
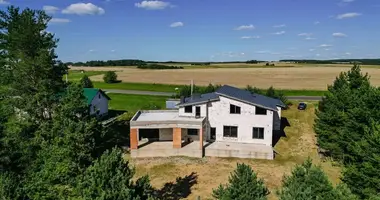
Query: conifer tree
[
  {"x": 243, "y": 184},
  {"x": 86, "y": 82}
]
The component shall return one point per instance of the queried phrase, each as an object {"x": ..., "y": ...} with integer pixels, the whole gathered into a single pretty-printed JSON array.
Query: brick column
[
  {"x": 133, "y": 138},
  {"x": 177, "y": 138},
  {"x": 201, "y": 138}
]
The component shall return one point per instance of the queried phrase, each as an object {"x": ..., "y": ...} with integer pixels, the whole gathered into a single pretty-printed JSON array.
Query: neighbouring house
[
  {"x": 230, "y": 122},
  {"x": 97, "y": 101}
]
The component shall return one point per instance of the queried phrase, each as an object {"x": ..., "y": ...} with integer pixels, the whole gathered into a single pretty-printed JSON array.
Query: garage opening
[{"x": 150, "y": 134}]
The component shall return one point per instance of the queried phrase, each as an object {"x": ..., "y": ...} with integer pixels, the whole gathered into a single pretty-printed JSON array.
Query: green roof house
[{"x": 97, "y": 100}]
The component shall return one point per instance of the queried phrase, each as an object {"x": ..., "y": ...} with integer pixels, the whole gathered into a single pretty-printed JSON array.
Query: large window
[
  {"x": 230, "y": 131},
  {"x": 258, "y": 133},
  {"x": 188, "y": 109},
  {"x": 234, "y": 109},
  {"x": 192, "y": 131},
  {"x": 260, "y": 111}
]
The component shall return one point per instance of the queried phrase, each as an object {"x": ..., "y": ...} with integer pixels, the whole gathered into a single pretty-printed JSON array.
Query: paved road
[{"x": 299, "y": 98}]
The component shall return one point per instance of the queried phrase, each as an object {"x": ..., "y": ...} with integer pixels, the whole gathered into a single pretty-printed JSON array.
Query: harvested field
[
  {"x": 197, "y": 177},
  {"x": 308, "y": 78}
]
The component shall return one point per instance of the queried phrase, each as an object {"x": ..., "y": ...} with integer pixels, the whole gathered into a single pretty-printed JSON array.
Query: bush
[
  {"x": 86, "y": 82},
  {"x": 110, "y": 77}
]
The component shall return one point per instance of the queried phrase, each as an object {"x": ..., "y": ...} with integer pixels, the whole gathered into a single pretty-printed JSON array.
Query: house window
[
  {"x": 230, "y": 131},
  {"x": 260, "y": 111},
  {"x": 192, "y": 132},
  {"x": 234, "y": 109},
  {"x": 188, "y": 109},
  {"x": 99, "y": 96},
  {"x": 257, "y": 133}
]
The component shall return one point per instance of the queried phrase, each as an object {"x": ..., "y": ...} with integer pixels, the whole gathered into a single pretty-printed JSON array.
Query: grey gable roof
[
  {"x": 202, "y": 99},
  {"x": 237, "y": 94}
]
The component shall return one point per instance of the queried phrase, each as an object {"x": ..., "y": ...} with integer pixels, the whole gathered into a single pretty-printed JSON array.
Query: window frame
[
  {"x": 258, "y": 133},
  {"x": 187, "y": 107},
  {"x": 260, "y": 109},
  {"x": 234, "y": 109},
  {"x": 230, "y": 131}
]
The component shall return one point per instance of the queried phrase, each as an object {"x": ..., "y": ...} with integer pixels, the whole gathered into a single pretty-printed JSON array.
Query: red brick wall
[
  {"x": 177, "y": 138},
  {"x": 133, "y": 138}
]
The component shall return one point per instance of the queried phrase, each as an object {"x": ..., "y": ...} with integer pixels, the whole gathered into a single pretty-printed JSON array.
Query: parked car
[{"x": 302, "y": 106}]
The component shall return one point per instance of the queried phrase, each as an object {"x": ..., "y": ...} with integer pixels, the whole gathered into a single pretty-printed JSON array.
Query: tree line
[{"x": 338, "y": 61}]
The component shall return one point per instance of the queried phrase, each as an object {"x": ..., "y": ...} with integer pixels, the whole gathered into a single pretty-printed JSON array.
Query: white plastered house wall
[
  {"x": 219, "y": 116},
  {"x": 99, "y": 102}
]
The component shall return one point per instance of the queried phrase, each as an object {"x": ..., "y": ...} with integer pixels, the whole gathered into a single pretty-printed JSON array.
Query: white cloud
[
  {"x": 279, "y": 26},
  {"x": 279, "y": 33},
  {"x": 250, "y": 37},
  {"x": 311, "y": 49},
  {"x": 153, "y": 5},
  {"x": 317, "y": 54},
  {"x": 83, "y": 9},
  {"x": 245, "y": 27},
  {"x": 347, "y": 1},
  {"x": 347, "y": 53},
  {"x": 339, "y": 35},
  {"x": 305, "y": 34},
  {"x": 317, "y": 22},
  {"x": 310, "y": 38},
  {"x": 327, "y": 49},
  {"x": 325, "y": 45},
  {"x": 4, "y": 2},
  {"x": 91, "y": 50},
  {"x": 113, "y": 50},
  {"x": 50, "y": 9},
  {"x": 59, "y": 20},
  {"x": 176, "y": 24},
  {"x": 348, "y": 15}
]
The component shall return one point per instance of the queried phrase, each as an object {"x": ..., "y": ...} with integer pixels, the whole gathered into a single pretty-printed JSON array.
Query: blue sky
[{"x": 212, "y": 30}]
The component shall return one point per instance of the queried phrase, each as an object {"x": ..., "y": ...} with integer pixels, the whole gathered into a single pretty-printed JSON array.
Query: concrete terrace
[{"x": 163, "y": 119}]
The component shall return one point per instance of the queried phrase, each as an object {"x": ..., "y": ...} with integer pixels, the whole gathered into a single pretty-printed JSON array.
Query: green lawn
[
  {"x": 171, "y": 88},
  {"x": 76, "y": 75},
  {"x": 133, "y": 103}
]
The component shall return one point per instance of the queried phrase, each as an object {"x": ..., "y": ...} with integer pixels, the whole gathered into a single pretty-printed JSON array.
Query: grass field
[
  {"x": 208, "y": 173},
  {"x": 294, "y": 78},
  {"x": 132, "y": 103}
]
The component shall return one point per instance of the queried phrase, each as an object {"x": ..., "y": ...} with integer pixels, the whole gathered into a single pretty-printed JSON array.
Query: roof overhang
[
  {"x": 197, "y": 103},
  {"x": 247, "y": 102}
]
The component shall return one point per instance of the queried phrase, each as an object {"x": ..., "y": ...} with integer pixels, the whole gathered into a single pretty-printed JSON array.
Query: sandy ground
[
  {"x": 191, "y": 177},
  {"x": 316, "y": 78}
]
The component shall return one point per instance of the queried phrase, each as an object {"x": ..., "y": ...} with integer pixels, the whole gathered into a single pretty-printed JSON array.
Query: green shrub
[
  {"x": 110, "y": 77},
  {"x": 86, "y": 82}
]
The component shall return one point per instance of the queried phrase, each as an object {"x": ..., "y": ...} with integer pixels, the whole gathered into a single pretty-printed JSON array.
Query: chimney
[{"x": 182, "y": 99}]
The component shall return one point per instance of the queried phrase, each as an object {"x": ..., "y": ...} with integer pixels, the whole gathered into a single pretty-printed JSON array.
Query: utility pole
[
  {"x": 67, "y": 80},
  {"x": 192, "y": 83}
]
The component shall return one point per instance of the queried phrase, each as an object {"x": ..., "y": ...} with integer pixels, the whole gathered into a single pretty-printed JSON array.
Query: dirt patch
[
  {"x": 312, "y": 78},
  {"x": 298, "y": 144}
]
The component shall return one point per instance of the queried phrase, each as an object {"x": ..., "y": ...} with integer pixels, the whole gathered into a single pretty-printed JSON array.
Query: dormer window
[{"x": 234, "y": 109}]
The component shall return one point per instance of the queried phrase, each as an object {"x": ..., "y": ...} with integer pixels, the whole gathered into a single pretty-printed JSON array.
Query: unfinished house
[{"x": 230, "y": 122}]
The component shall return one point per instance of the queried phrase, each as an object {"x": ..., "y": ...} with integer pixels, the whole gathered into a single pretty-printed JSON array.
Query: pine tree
[
  {"x": 243, "y": 184},
  {"x": 86, "y": 82},
  {"x": 306, "y": 181}
]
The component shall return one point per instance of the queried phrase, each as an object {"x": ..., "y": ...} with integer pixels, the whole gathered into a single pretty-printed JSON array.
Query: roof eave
[{"x": 197, "y": 103}]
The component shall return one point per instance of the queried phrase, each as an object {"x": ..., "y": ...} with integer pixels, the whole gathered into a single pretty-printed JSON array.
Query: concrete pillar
[
  {"x": 133, "y": 138},
  {"x": 177, "y": 138},
  {"x": 201, "y": 138}
]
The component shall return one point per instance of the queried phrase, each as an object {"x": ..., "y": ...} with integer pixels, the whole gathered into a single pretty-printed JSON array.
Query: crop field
[
  {"x": 292, "y": 78},
  {"x": 197, "y": 177}
]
